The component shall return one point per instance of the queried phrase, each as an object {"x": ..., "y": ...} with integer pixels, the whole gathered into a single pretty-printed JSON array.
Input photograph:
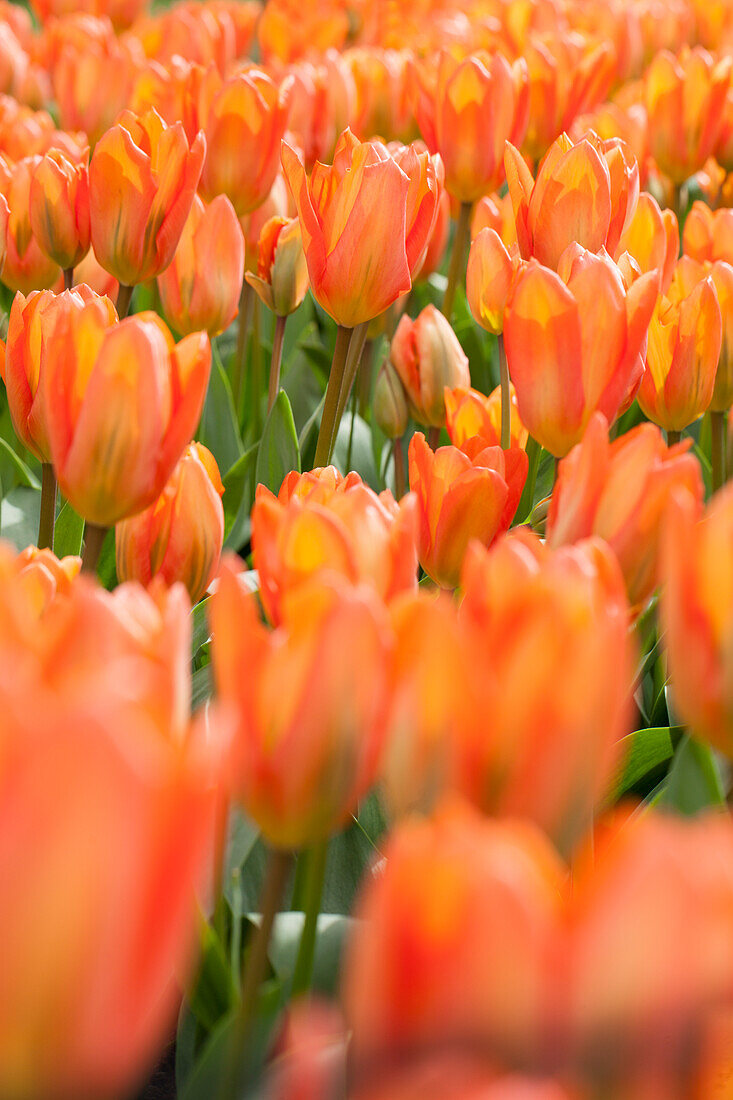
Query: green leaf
[
  {"x": 69, "y": 532},
  {"x": 527, "y": 500},
  {"x": 200, "y": 631},
  {"x": 354, "y": 451},
  {"x": 642, "y": 752},
  {"x": 107, "y": 567},
  {"x": 218, "y": 429},
  {"x": 202, "y": 687},
  {"x": 350, "y": 854},
  {"x": 24, "y": 473},
  {"x": 238, "y": 492},
  {"x": 278, "y": 452},
  {"x": 214, "y": 993},
  {"x": 694, "y": 782}
]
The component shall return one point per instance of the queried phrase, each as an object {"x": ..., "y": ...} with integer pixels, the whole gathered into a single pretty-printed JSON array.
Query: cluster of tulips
[{"x": 463, "y": 558}]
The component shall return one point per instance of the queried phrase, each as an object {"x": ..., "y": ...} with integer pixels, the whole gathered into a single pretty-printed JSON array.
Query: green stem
[
  {"x": 399, "y": 468},
  {"x": 673, "y": 437},
  {"x": 124, "y": 297},
  {"x": 48, "y": 507},
  {"x": 506, "y": 406},
  {"x": 356, "y": 347},
  {"x": 256, "y": 376},
  {"x": 719, "y": 432},
  {"x": 94, "y": 537},
  {"x": 458, "y": 256},
  {"x": 354, "y": 400},
  {"x": 526, "y": 504},
  {"x": 68, "y": 278},
  {"x": 246, "y": 302},
  {"x": 315, "y": 875},
  {"x": 324, "y": 446},
  {"x": 277, "y": 356}
]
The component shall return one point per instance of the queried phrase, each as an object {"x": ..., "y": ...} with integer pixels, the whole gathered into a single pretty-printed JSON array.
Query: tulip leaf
[
  {"x": 200, "y": 630},
  {"x": 641, "y": 753},
  {"x": 24, "y": 474},
  {"x": 238, "y": 490},
  {"x": 214, "y": 992},
  {"x": 219, "y": 430},
  {"x": 332, "y": 930},
  {"x": 68, "y": 533},
  {"x": 353, "y": 449},
  {"x": 278, "y": 452},
  {"x": 694, "y": 782},
  {"x": 527, "y": 500},
  {"x": 201, "y": 687}
]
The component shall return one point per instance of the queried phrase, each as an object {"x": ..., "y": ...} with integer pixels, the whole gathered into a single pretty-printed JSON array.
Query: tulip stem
[
  {"x": 277, "y": 357},
  {"x": 94, "y": 537},
  {"x": 718, "y": 428},
  {"x": 458, "y": 256},
  {"x": 48, "y": 507},
  {"x": 434, "y": 438},
  {"x": 506, "y": 407},
  {"x": 326, "y": 435},
  {"x": 256, "y": 373},
  {"x": 316, "y": 858},
  {"x": 399, "y": 468},
  {"x": 124, "y": 297},
  {"x": 276, "y": 875},
  {"x": 353, "y": 359},
  {"x": 246, "y": 302},
  {"x": 68, "y": 278},
  {"x": 673, "y": 437}
]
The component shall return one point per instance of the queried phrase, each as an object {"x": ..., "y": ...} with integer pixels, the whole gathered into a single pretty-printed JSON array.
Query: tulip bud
[
  {"x": 390, "y": 402},
  {"x": 490, "y": 277},
  {"x": 281, "y": 281},
  {"x": 495, "y": 212},
  {"x": 211, "y": 241},
  {"x": 180, "y": 536},
  {"x": 59, "y": 208},
  {"x": 428, "y": 357},
  {"x": 26, "y": 266},
  {"x": 653, "y": 239}
]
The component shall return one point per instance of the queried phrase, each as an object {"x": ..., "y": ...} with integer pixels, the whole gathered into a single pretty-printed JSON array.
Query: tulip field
[{"x": 366, "y": 550}]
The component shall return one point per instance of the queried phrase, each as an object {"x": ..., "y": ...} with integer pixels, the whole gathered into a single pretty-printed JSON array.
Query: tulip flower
[
  {"x": 41, "y": 577},
  {"x": 474, "y": 106},
  {"x": 597, "y": 494},
  {"x": 683, "y": 350},
  {"x": 180, "y": 536},
  {"x": 353, "y": 221},
  {"x": 495, "y": 212},
  {"x": 684, "y": 97},
  {"x": 322, "y": 523},
  {"x": 652, "y": 238},
  {"x": 211, "y": 242},
  {"x": 424, "y": 195},
  {"x": 287, "y": 31},
  {"x": 281, "y": 281},
  {"x": 461, "y": 498},
  {"x": 383, "y": 80},
  {"x": 244, "y": 124},
  {"x": 26, "y": 266},
  {"x": 490, "y": 276},
  {"x": 708, "y": 234},
  {"x": 59, "y": 209},
  {"x": 142, "y": 182},
  {"x": 691, "y": 272},
  {"x": 121, "y": 404},
  {"x": 697, "y": 608},
  {"x": 469, "y": 413},
  {"x": 428, "y": 357},
  {"x": 553, "y": 660},
  {"x": 308, "y": 733},
  {"x": 567, "y": 354},
  {"x": 322, "y": 102},
  {"x": 437, "y": 242},
  {"x": 389, "y": 404}
]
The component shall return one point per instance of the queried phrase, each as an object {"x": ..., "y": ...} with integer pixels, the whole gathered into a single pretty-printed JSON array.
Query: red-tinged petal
[
  {"x": 580, "y": 478},
  {"x": 520, "y": 183},
  {"x": 571, "y": 202}
]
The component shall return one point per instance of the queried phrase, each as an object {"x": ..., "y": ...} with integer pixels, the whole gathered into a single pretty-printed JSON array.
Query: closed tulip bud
[
  {"x": 461, "y": 498},
  {"x": 567, "y": 356},
  {"x": 596, "y": 494},
  {"x": 26, "y": 266},
  {"x": 469, "y": 414},
  {"x": 201, "y": 287},
  {"x": 467, "y": 113},
  {"x": 708, "y": 234},
  {"x": 244, "y": 125},
  {"x": 59, "y": 208},
  {"x": 570, "y": 201},
  {"x": 121, "y": 404},
  {"x": 390, "y": 402},
  {"x": 30, "y": 328},
  {"x": 428, "y": 357},
  {"x": 281, "y": 281},
  {"x": 684, "y": 97},
  {"x": 653, "y": 239},
  {"x": 180, "y": 536},
  {"x": 142, "y": 182},
  {"x": 490, "y": 276},
  {"x": 308, "y": 734},
  {"x": 683, "y": 350},
  {"x": 353, "y": 218},
  {"x": 697, "y": 611},
  {"x": 323, "y": 523},
  {"x": 495, "y": 212}
]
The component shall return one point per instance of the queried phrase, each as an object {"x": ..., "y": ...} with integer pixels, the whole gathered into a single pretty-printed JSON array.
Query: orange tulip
[
  {"x": 491, "y": 273},
  {"x": 428, "y": 357},
  {"x": 383, "y": 80},
  {"x": 322, "y": 103},
  {"x": 354, "y": 224},
  {"x": 424, "y": 195},
  {"x": 322, "y": 523},
  {"x": 26, "y": 265},
  {"x": 548, "y": 633},
  {"x": 652, "y": 238},
  {"x": 180, "y": 536},
  {"x": 287, "y": 30},
  {"x": 683, "y": 350},
  {"x": 244, "y": 124},
  {"x": 466, "y": 112},
  {"x": 309, "y": 734},
  {"x": 59, "y": 208},
  {"x": 30, "y": 328},
  {"x": 708, "y": 234},
  {"x": 176, "y": 90},
  {"x": 122, "y": 12},
  {"x": 469, "y": 414},
  {"x": 684, "y": 98},
  {"x": 121, "y": 404},
  {"x": 690, "y": 273},
  {"x": 389, "y": 403},
  {"x": 495, "y": 212},
  {"x": 596, "y": 493},
  {"x": 567, "y": 355},
  {"x": 281, "y": 281},
  {"x": 697, "y": 607},
  {"x": 142, "y": 181},
  {"x": 437, "y": 242},
  {"x": 461, "y": 498},
  {"x": 278, "y": 204},
  {"x": 211, "y": 241}
]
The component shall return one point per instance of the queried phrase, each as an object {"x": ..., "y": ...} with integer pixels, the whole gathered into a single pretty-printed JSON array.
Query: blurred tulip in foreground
[
  {"x": 428, "y": 357},
  {"x": 281, "y": 281}
]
